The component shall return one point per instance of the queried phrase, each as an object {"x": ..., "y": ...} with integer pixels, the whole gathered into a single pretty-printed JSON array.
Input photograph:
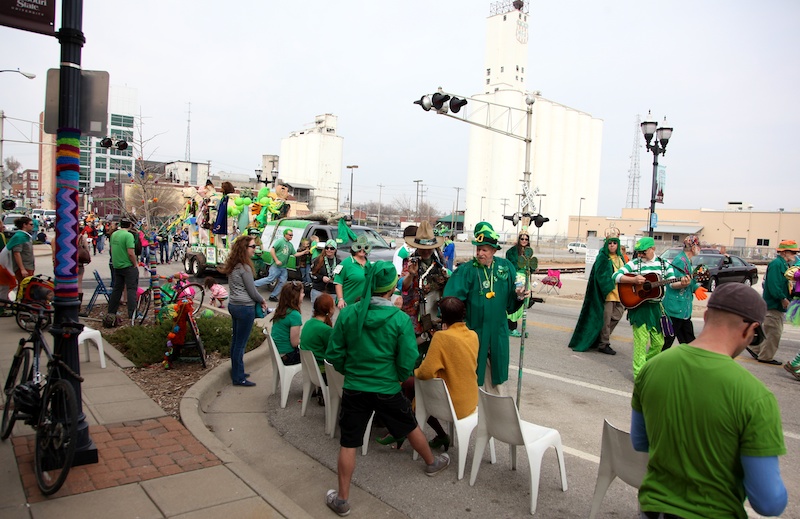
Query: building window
[
  {"x": 504, "y": 18},
  {"x": 676, "y": 237},
  {"x": 99, "y": 177},
  {"x": 517, "y": 68},
  {"x": 126, "y": 121},
  {"x": 522, "y": 79},
  {"x": 502, "y": 69},
  {"x": 488, "y": 72},
  {"x": 487, "y": 82},
  {"x": 34, "y": 186},
  {"x": 658, "y": 237},
  {"x": 523, "y": 70},
  {"x": 100, "y": 162},
  {"x": 762, "y": 242}
]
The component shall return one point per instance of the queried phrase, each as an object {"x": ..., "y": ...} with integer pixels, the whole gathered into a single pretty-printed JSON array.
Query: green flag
[{"x": 345, "y": 233}]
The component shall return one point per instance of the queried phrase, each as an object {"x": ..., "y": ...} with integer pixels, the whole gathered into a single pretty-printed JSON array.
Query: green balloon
[
  {"x": 239, "y": 201},
  {"x": 247, "y": 201},
  {"x": 264, "y": 200},
  {"x": 230, "y": 209}
]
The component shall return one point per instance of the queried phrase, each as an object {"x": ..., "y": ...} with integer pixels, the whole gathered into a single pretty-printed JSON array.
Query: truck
[
  {"x": 324, "y": 230},
  {"x": 202, "y": 257}
]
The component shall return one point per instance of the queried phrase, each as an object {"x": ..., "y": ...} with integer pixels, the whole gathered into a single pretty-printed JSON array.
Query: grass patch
[{"x": 145, "y": 345}]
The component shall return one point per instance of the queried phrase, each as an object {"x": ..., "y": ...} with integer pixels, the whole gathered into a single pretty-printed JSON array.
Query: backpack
[{"x": 137, "y": 244}]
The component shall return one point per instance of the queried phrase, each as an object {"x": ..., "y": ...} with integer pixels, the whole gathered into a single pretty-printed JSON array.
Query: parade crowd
[{"x": 712, "y": 430}]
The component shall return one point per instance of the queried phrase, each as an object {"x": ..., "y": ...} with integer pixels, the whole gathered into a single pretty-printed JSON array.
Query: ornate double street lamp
[
  {"x": 658, "y": 147},
  {"x": 273, "y": 174}
]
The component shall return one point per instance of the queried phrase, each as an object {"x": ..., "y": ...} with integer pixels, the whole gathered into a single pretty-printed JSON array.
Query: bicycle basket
[{"x": 27, "y": 399}]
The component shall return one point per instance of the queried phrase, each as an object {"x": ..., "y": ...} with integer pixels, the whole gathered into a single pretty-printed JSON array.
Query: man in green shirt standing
[
  {"x": 776, "y": 294},
  {"x": 280, "y": 251},
  {"x": 374, "y": 347},
  {"x": 126, "y": 272}
]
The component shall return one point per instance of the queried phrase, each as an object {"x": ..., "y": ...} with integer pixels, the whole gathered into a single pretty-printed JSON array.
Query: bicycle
[
  {"x": 178, "y": 252},
  {"x": 179, "y": 291},
  {"x": 46, "y": 402}
]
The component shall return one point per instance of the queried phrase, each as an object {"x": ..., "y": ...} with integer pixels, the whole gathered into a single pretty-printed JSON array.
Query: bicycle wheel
[
  {"x": 27, "y": 320},
  {"x": 56, "y": 436},
  {"x": 196, "y": 293},
  {"x": 142, "y": 307},
  {"x": 18, "y": 374}
]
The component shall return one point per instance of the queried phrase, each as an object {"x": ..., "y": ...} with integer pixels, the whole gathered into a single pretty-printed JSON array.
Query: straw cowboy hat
[{"x": 424, "y": 238}]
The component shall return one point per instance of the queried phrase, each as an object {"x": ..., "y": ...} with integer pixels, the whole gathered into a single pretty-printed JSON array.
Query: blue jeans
[
  {"x": 281, "y": 274},
  {"x": 242, "y": 317},
  {"x": 305, "y": 274}
]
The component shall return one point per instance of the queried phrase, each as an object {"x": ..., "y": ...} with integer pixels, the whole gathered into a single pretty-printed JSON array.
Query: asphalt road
[{"x": 571, "y": 392}]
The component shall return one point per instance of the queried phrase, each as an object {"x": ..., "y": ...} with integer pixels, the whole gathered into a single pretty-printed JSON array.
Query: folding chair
[
  {"x": 100, "y": 289},
  {"x": 335, "y": 389},
  {"x": 551, "y": 282},
  {"x": 281, "y": 372},
  {"x": 618, "y": 459},
  {"x": 498, "y": 418},
  {"x": 433, "y": 399},
  {"x": 313, "y": 377}
]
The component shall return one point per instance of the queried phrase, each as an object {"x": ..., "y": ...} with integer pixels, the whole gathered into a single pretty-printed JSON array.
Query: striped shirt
[{"x": 641, "y": 266}]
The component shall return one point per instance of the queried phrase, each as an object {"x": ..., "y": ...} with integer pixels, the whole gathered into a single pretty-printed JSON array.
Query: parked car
[
  {"x": 726, "y": 269},
  {"x": 576, "y": 247},
  {"x": 672, "y": 252},
  {"x": 8, "y": 220}
]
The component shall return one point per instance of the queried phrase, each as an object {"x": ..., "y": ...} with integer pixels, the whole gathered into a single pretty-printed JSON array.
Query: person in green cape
[
  {"x": 486, "y": 285},
  {"x": 601, "y": 310}
]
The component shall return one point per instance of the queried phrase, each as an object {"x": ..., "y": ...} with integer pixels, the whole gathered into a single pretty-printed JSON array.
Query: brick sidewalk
[{"x": 128, "y": 452}]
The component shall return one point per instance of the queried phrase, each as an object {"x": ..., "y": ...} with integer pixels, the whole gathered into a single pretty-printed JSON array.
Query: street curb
[{"x": 194, "y": 403}]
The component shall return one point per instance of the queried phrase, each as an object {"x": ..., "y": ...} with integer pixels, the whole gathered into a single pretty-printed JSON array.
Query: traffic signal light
[
  {"x": 438, "y": 100},
  {"x": 540, "y": 220},
  {"x": 456, "y": 103},
  {"x": 424, "y": 102},
  {"x": 106, "y": 142},
  {"x": 514, "y": 218}
]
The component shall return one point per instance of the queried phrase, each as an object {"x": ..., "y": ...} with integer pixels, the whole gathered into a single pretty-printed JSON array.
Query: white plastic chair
[
  {"x": 498, "y": 418},
  {"x": 433, "y": 399},
  {"x": 312, "y": 376},
  {"x": 335, "y": 389},
  {"x": 281, "y": 371},
  {"x": 91, "y": 335},
  {"x": 618, "y": 459}
]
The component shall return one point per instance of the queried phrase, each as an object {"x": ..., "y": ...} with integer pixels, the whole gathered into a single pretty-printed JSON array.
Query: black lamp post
[
  {"x": 273, "y": 175},
  {"x": 659, "y": 146}
]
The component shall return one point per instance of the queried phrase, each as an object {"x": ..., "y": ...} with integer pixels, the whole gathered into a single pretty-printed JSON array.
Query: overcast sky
[{"x": 725, "y": 73}]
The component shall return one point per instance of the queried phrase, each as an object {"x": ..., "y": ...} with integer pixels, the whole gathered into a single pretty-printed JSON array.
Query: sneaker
[
  {"x": 274, "y": 299},
  {"x": 245, "y": 383},
  {"x": 515, "y": 333},
  {"x": 340, "y": 506},
  {"x": 440, "y": 462},
  {"x": 607, "y": 349}
]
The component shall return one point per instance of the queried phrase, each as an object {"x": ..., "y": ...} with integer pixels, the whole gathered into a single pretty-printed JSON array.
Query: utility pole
[
  {"x": 417, "y": 200},
  {"x": 505, "y": 203},
  {"x": 338, "y": 185},
  {"x": 454, "y": 225},
  {"x": 380, "y": 191}
]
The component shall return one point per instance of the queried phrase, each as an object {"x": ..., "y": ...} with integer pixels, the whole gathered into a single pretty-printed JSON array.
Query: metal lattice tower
[
  {"x": 188, "y": 157},
  {"x": 633, "y": 172}
]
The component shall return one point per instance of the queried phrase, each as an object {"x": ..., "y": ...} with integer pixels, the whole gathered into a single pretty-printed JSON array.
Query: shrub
[{"x": 145, "y": 345}]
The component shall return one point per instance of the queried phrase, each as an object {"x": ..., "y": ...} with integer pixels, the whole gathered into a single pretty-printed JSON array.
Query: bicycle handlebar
[{"x": 33, "y": 308}]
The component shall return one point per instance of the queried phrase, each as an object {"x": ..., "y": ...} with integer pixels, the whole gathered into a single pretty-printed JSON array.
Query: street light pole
[
  {"x": 351, "y": 168},
  {"x": 658, "y": 147},
  {"x": 580, "y": 206},
  {"x": 28, "y": 75},
  {"x": 482, "y": 207}
]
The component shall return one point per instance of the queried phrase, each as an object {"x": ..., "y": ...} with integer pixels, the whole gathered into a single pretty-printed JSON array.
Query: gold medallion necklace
[{"x": 489, "y": 282}]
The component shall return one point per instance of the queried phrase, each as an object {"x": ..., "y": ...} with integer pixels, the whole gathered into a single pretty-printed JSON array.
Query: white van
[{"x": 576, "y": 247}]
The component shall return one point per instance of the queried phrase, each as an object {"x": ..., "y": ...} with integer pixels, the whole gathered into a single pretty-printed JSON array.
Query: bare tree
[{"x": 149, "y": 200}]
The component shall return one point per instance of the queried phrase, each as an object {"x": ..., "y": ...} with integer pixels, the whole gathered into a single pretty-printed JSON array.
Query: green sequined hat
[{"x": 485, "y": 235}]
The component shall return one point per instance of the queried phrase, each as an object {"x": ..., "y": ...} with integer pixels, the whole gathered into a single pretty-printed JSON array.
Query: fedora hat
[{"x": 424, "y": 237}]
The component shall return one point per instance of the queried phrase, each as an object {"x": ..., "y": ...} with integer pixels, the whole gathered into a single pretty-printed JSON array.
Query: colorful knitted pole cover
[{"x": 67, "y": 173}]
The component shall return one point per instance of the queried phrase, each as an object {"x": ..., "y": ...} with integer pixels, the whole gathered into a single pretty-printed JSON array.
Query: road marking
[
  {"x": 559, "y": 328},
  {"x": 617, "y": 392}
]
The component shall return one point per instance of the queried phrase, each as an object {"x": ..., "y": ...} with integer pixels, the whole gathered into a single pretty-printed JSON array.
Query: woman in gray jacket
[{"x": 242, "y": 301}]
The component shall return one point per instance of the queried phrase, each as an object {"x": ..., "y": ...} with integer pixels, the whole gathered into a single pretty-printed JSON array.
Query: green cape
[{"x": 590, "y": 321}]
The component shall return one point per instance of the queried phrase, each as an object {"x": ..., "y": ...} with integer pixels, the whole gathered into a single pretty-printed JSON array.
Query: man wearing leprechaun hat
[
  {"x": 776, "y": 294},
  {"x": 487, "y": 286}
]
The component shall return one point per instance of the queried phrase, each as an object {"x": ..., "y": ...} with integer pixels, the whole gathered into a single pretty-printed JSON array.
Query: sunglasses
[
  {"x": 358, "y": 248},
  {"x": 251, "y": 246},
  {"x": 524, "y": 239},
  {"x": 330, "y": 248}
]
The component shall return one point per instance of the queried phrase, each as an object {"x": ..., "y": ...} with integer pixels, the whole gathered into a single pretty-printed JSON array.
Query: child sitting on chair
[{"x": 219, "y": 294}]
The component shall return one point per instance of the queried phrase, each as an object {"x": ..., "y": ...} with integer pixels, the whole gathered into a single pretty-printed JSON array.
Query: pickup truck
[{"x": 324, "y": 231}]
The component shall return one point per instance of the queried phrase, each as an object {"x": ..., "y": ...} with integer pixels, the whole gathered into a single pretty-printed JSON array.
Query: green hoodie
[{"x": 380, "y": 355}]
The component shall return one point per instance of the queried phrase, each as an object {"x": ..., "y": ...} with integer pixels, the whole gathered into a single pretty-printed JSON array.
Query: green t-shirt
[
  {"x": 314, "y": 338},
  {"x": 283, "y": 249},
  {"x": 121, "y": 241},
  {"x": 702, "y": 411},
  {"x": 351, "y": 275},
  {"x": 281, "y": 329},
  {"x": 378, "y": 356}
]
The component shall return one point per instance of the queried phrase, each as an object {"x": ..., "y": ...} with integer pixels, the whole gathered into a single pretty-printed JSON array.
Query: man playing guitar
[{"x": 645, "y": 318}]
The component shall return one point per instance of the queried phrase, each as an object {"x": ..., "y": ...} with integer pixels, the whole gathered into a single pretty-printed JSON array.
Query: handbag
[
  {"x": 84, "y": 258},
  {"x": 260, "y": 311}
]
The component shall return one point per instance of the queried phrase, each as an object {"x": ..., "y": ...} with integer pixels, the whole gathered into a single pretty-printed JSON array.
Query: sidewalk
[{"x": 150, "y": 465}]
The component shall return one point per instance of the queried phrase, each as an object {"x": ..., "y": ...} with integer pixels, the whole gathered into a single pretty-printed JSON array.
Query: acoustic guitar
[{"x": 632, "y": 295}]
